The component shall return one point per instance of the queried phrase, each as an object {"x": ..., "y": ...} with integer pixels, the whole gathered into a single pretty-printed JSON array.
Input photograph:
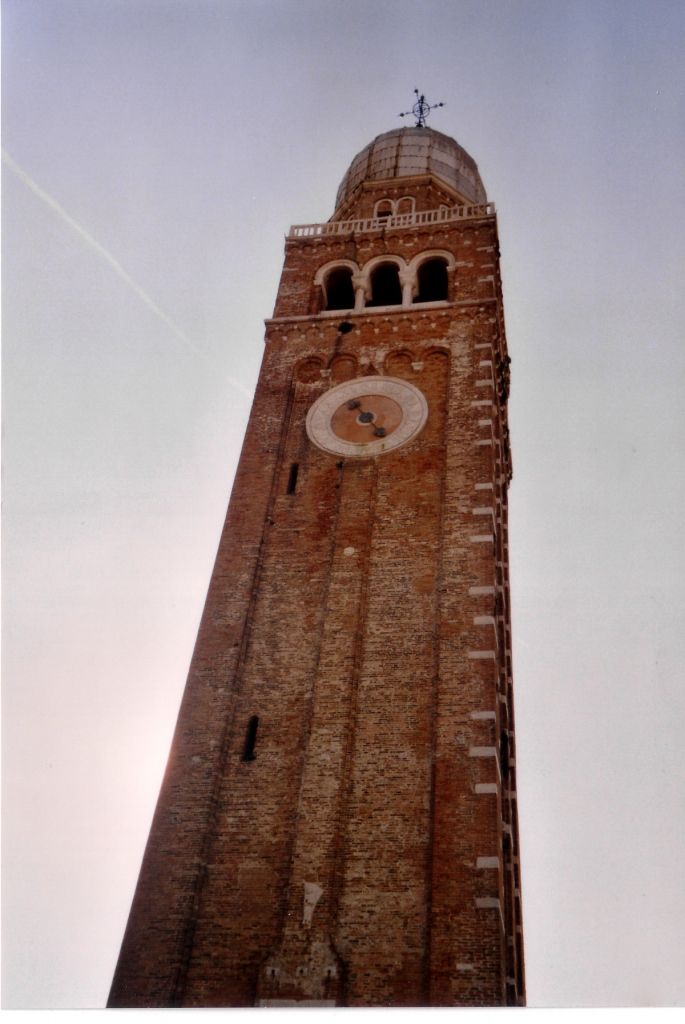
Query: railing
[{"x": 403, "y": 220}]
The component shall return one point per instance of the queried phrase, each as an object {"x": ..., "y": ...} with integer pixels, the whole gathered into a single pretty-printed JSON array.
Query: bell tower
[{"x": 337, "y": 823}]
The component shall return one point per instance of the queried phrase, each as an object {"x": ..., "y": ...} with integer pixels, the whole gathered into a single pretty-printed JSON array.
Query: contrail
[
  {"x": 96, "y": 245},
  {"x": 117, "y": 267}
]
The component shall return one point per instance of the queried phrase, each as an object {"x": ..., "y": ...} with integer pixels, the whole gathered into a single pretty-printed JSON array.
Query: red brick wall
[
  {"x": 360, "y": 666},
  {"x": 428, "y": 193}
]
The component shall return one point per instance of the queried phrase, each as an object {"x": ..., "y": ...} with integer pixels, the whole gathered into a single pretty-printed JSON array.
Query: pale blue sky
[{"x": 185, "y": 136}]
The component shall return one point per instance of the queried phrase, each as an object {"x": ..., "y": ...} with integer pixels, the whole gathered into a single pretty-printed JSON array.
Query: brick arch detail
[
  {"x": 343, "y": 366},
  {"x": 398, "y": 363},
  {"x": 432, "y": 254},
  {"x": 308, "y": 369},
  {"x": 435, "y": 350},
  {"x": 377, "y": 261},
  {"x": 363, "y": 280},
  {"x": 323, "y": 272}
]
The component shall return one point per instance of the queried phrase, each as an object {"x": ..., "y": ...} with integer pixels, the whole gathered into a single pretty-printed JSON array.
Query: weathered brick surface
[
  {"x": 428, "y": 193},
  {"x": 381, "y": 774}
]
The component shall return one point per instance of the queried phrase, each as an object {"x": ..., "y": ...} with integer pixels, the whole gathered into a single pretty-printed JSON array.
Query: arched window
[
  {"x": 339, "y": 290},
  {"x": 384, "y": 208},
  {"x": 385, "y": 286},
  {"x": 432, "y": 278},
  {"x": 405, "y": 205}
]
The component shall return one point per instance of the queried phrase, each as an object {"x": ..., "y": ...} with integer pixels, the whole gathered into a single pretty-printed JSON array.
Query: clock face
[{"x": 367, "y": 416}]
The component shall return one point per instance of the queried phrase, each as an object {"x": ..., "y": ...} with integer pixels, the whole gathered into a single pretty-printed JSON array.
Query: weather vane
[{"x": 421, "y": 110}]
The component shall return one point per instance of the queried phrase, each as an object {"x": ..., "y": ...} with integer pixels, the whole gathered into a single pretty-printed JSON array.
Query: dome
[{"x": 406, "y": 152}]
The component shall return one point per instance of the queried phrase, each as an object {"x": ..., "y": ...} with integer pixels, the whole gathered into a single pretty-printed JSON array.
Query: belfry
[{"x": 337, "y": 824}]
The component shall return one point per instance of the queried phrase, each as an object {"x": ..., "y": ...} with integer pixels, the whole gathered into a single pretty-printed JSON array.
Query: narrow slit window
[
  {"x": 292, "y": 478},
  {"x": 250, "y": 739}
]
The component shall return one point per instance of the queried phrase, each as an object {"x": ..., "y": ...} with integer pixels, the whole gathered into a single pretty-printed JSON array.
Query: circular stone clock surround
[{"x": 341, "y": 419}]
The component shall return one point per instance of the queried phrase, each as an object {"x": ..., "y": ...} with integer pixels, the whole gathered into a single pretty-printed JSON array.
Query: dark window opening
[
  {"x": 385, "y": 286},
  {"x": 432, "y": 281},
  {"x": 384, "y": 210},
  {"x": 339, "y": 290},
  {"x": 250, "y": 739},
  {"x": 292, "y": 478}
]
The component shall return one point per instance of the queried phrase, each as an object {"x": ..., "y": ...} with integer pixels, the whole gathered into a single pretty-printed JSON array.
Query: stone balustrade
[{"x": 403, "y": 220}]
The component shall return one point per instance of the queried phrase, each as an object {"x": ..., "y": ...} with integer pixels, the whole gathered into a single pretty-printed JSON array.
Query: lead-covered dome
[{"x": 406, "y": 152}]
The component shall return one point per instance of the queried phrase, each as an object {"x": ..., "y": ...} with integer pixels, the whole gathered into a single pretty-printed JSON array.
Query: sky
[{"x": 157, "y": 151}]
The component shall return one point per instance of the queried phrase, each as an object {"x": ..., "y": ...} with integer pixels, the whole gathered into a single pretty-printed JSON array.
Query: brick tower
[{"x": 337, "y": 823}]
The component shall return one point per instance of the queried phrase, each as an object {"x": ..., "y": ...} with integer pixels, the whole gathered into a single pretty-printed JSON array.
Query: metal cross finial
[{"x": 421, "y": 110}]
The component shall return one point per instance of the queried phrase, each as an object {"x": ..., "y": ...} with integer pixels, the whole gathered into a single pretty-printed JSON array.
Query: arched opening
[
  {"x": 398, "y": 364},
  {"x": 384, "y": 208},
  {"x": 432, "y": 278},
  {"x": 343, "y": 367},
  {"x": 385, "y": 286},
  {"x": 309, "y": 372},
  {"x": 339, "y": 290},
  {"x": 405, "y": 205}
]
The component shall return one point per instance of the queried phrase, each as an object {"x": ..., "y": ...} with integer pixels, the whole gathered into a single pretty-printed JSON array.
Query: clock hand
[{"x": 365, "y": 417}]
